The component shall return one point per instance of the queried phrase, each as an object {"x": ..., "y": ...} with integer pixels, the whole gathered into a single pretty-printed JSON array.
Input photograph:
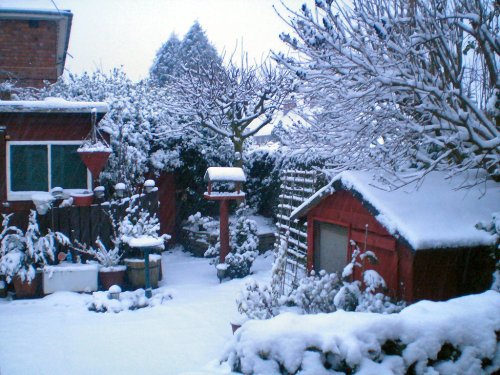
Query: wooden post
[{"x": 224, "y": 230}]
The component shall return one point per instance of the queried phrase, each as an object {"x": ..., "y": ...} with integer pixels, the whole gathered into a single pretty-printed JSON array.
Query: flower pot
[
  {"x": 110, "y": 276},
  {"x": 94, "y": 160},
  {"x": 136, "y": 271},
  {"x": 82, "y": 199},
  {"x": 27, "y": 289}
]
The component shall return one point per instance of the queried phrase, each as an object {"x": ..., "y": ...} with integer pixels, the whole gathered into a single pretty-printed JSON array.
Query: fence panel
[{"x": 86, "y": 224}]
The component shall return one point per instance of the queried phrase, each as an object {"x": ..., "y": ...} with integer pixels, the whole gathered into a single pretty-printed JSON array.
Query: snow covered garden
[{"x": 150, "y": 227}]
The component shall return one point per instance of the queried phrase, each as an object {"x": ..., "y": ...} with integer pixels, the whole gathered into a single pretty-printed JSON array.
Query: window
[
  {"x": 40, "y": 166},
  {"x": 330, "y": 247}
]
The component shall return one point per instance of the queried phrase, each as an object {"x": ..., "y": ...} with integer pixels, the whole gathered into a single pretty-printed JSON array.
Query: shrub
[
  {"x": 319, "y": 293},
  {"x": 243, "y": 245},
  {"x": 21, "y": 253}
]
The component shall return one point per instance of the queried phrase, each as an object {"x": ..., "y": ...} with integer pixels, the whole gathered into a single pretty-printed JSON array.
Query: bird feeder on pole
[{"x": 224, "y": 176}]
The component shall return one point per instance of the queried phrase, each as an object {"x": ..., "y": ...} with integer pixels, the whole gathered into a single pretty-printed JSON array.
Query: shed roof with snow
[
  {"x": 225, "y": 174},
  {"x": 436, "y": 212},
  {"x": 51, "y": 105}
]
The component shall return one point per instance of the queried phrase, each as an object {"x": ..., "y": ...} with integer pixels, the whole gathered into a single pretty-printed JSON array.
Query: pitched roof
[{"x": 436, "y": 212}]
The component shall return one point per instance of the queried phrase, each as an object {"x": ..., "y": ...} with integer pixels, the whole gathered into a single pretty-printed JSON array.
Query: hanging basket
[
  {"x": 94, "y": 160},
  {"x": 95, "y": 150}
]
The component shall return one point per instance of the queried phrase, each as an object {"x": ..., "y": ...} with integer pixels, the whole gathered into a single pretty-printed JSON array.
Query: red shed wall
[
  {"x": 28, "y": 54},
  {"x": 35, "y": 127},
  {"x": 394, "y": 263},
  {"x": 435, "y": 274}
]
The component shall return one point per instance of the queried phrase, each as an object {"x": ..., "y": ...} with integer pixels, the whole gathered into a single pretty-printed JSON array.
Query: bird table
[
  {"x": 146, "y": 244},
  {"x": 224, "y": 175}
]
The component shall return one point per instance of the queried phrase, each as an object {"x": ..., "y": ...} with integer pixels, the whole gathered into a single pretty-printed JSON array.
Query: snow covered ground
[{"x": 186, "y": 335}]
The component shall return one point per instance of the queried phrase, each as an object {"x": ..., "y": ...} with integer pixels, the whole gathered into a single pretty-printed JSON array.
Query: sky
[{"x": 112, "y": 33}]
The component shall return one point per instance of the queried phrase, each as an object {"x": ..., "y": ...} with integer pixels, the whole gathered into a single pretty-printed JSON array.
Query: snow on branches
[
  {"x": 399, "y": 84},
  {"x": 233, "y": 101}
]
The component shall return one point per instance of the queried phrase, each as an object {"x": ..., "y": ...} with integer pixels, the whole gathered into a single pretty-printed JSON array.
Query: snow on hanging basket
[{"x": 94, "y": 151}]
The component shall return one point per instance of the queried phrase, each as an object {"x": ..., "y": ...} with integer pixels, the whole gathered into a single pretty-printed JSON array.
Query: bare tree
[
  {"x": 399, "y": 83},
  {"x": 232, "y": 101}
]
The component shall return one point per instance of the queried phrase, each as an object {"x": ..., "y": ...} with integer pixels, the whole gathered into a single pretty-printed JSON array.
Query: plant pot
[
  {"x": 112, "y": 276},
  {"x": 70, "y": 277},
  {"x": 26, "y": 289},
  {"x": 82, "y": 199},
  {"x": 94, "y": 160},
  {"x": 136, "y": 272}
]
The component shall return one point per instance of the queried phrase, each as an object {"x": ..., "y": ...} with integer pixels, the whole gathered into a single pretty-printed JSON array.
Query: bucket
[{"x": 136, "y": 275}]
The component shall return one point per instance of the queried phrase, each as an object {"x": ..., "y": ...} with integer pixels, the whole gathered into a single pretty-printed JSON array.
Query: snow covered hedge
[{"x": 459, "y": 336}]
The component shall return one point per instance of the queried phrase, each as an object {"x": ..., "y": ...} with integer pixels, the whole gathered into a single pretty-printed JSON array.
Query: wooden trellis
[{"x": 296, "y": 187}]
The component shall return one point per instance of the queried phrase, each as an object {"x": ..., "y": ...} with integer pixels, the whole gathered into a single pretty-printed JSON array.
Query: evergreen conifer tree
[
  {"x": 176, "y": 57},
  {"x": 166, "y": 62}
]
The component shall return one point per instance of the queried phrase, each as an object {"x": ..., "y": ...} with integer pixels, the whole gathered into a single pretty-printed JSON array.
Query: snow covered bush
[
  {"x": 22, "y": 253},
  {"x": 199, "y": 223},
  {"x": 129, "y": 300},
  {"x": 459, "y": 336},
  {"x": 319, "y": 292},
  {"x": 243, "y": 243},
  {"x": 106, "y": 257},
  {"x": 262, "y": 170}
]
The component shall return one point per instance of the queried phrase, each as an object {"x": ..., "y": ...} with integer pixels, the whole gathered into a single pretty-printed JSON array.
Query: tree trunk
[{"x": 238, "y": 150}]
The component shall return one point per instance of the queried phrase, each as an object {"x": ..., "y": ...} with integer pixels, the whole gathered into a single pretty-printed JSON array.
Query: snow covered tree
[
  {"x": 196, "y": 50},
  {"x": 139, "y": 120},
  {"x": 167, "y": 62},
  {"x": 234, "y": 102},
  {"x": 176, "y": 58},
  {"x": 402, "y": 84}
]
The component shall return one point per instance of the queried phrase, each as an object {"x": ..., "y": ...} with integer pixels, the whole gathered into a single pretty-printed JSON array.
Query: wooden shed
[
  {"x": 424, "y": 234},
  {"x": 38, "y": 149}
]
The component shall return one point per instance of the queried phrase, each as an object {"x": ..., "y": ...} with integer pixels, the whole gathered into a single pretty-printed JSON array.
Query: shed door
[{"x": 330, "y": 247}]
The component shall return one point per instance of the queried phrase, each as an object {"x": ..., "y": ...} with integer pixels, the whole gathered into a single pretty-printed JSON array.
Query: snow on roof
[
  {"x": 31, "y": 6},
  {"x": 437, "y": 212},
  {"x": 225, "y": 174},
  {"x": 51, "y": 105}
]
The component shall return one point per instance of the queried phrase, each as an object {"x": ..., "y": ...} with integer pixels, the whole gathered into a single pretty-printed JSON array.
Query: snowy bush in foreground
[
  {"x": 243, "y": 242},
  {"x": 459, "y": 336},
  {"x": 320, "y": 292},
  {"x": 22, "y": 253}
]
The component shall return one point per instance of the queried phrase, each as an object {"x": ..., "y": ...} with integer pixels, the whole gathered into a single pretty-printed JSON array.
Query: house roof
[
  {"x": 436, "y": 212},
  {"x": 225, "y": 174},
  {"x": 51, "y": 105},
  {"x": 16, "y": 11}
]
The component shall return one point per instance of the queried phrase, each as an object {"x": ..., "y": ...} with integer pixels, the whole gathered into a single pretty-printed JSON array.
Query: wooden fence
[{"x": 86, "y": 224}]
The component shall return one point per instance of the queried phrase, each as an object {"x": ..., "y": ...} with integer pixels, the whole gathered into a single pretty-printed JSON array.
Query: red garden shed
[
  {"x": 424, "y": 234},
  {"x": 38, "y": 149}
]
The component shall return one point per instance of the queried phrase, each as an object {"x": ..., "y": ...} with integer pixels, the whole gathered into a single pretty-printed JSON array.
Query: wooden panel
[
  {"x": 94, "y": 222},
  {"x": 167, "y": 204}
]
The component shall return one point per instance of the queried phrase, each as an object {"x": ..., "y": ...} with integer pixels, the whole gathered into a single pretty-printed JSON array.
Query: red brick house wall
[{"x": 28, "y": 51}]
